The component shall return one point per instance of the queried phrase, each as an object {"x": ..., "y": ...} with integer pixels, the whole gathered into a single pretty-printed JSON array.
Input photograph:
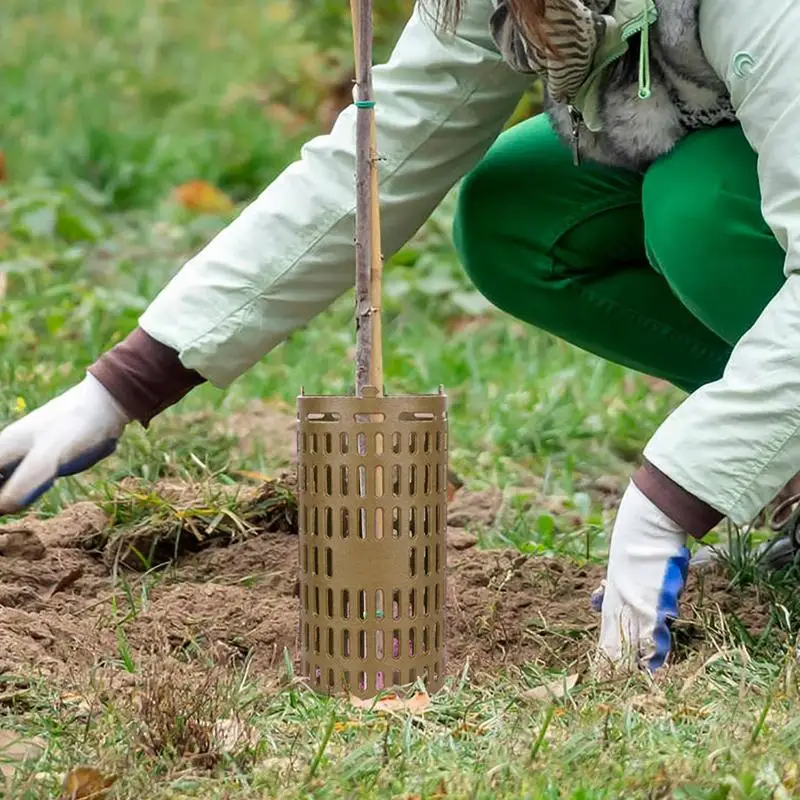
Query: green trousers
[{"x": 662, "y": 273}]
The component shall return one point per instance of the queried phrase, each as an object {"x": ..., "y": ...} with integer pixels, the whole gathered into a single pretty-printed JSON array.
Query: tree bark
[{"x": 369, "y": 356}]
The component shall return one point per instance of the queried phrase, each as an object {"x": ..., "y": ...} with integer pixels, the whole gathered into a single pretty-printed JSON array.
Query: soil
[{"x": 62, "y": 615}]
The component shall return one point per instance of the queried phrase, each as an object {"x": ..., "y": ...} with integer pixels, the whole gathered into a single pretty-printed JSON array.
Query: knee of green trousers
[
  {"x": 705, "y": 234},
  {"x": 485, "y": 194},
  {"x": 527, "y": 222}
]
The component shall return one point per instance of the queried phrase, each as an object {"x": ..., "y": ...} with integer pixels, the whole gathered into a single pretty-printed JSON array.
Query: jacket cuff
[
  {"x": 144, "y": 376},
  {"x": 691, "y": 513}
]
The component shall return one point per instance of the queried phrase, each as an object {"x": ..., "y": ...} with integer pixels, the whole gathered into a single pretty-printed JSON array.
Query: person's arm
[{"x": 441, "y": 101}]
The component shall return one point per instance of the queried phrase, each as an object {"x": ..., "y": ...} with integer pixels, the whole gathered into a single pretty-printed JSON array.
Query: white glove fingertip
[{"x": 37, "y": 470}]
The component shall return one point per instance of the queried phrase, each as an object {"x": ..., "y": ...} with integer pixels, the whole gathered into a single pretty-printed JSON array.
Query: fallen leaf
[
  {"x": 231, "y": 734},
  {"x": 66, "y": 581},
  {"x": 554, "y": 690},
  {"x": 254, "y": 476},
  {"x": 15, "y": 750},
  {"x": 86, "y": 783},
  {"x": 77, "y": 704},
  {"x": 418, "y": 702},
  {"x": 791, "y": 776},
  {"x": 203, "y": 198},
  {"x": 349, "y": 725}
]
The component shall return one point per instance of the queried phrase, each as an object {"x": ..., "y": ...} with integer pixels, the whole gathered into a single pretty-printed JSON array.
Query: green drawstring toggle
[{"x": 644, "y": 57}]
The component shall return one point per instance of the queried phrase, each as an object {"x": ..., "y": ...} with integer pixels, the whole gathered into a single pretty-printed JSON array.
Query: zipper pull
[{"x": 576, "y": 118}]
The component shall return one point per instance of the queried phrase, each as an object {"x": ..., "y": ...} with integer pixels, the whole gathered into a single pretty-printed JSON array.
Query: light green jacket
[{"x": 440, "y": 104}]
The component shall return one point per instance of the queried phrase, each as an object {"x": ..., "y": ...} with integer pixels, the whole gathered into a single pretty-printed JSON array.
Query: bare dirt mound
[{"x": 62, "y": 615}]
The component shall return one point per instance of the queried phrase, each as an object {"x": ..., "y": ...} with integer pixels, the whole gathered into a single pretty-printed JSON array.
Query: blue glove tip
[
  {"x": 78, "y": 464},
  {"x": 675, "y": 574},
  {"x": 7, "y": 470}
]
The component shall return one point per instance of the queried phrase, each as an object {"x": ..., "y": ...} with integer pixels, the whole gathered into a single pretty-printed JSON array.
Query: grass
[
  {"x": 728, "y": 731},
  {"x": 105, "y": 109}
]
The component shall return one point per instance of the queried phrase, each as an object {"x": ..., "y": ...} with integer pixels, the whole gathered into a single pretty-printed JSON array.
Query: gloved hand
[
  {"x": 647, "y": 568},
  {"x": 65, "y": 436}
]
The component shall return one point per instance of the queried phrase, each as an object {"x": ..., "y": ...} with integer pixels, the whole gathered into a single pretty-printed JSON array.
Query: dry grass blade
[
  {"x": 187, "y": 714},
  {"x": 157, "y": 525}
]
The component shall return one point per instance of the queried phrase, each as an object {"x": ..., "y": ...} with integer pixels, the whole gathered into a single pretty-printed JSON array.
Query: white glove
[
  {"x": 647, "y": 566},
  {"x": 65, "y": 436}
]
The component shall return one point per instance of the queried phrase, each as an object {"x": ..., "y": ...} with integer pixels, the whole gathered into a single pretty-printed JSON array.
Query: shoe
[{"x": 779, "y": 552}]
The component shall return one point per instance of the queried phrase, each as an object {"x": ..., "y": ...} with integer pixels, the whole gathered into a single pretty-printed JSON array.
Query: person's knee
[
  {"x": 474, "y": 236},
  {"x": 686, "y": 224},
  {"x": 681, "y": 230},
  {"x": 503, "y": 212}
]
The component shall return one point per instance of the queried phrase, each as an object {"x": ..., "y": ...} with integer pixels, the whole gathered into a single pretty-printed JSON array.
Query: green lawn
[{"x": 105, "y": 108}]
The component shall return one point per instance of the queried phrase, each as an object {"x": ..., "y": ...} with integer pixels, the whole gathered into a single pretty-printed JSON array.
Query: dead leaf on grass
[
  {"x": 417, "y": 703},
  {"x": 555, "y": 690},
  {"x": 260, "y": 477},
  {"x": 231, "y": 734},
  {"x": 86, "y": 783},
  {"x": 203, "y": 198},
  {"x": 77, "y": 705},
  {"x": 15, "y": 750}
]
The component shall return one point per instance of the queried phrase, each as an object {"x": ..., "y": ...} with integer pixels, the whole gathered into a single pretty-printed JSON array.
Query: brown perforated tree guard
[
  {"x": 372, "y": 485},
  {"x": 372, "y": 491}
]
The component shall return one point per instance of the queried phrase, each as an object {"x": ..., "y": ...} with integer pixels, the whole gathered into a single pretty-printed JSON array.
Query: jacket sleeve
[{"x": 440, "y": 101}]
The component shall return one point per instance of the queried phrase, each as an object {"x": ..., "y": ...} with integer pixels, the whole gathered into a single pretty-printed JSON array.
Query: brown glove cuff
[
  {"x": 144, "y": 376},
  {"x": 692, "y": 514}
]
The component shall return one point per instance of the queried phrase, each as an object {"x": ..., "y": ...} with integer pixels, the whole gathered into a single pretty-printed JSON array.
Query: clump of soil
[
  {"x": 171, "y": 519},
  {"x": 474, "y": 509},
  {"x": 62, "y": 614}
]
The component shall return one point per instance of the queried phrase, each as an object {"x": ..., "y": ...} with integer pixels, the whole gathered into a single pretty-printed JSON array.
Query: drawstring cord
[{"x": 644, "y": 57}]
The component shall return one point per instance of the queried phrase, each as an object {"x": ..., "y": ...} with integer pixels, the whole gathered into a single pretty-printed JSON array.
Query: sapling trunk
[{"x": 369, "y": 261}]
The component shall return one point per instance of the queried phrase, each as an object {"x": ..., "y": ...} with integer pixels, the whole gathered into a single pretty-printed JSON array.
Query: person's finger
[
  {"x": 596, "y": 600},
  {"x": 29, "y": 480},
  {"x": 87, "y": 458},
  {"x": 14, "y": 443}
]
